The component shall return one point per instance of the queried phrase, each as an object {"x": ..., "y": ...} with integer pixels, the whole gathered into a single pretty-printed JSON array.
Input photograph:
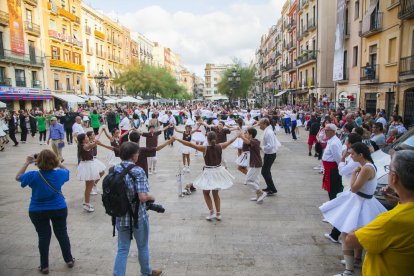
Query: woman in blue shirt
[{"x": 47, "y": 204}]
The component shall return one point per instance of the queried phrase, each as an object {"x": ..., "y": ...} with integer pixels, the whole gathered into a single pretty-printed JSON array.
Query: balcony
[
  {"x": 9, "y": 56},
  {"x": 20, "y": 82},
  {"x": 289, "y": 67},
  {"x": 292, "y": 45},
  {"x": 291, "y": 25},
  {"x": 67, "y": 65},
  {"x": 36, "y": 84},
  {"x": 31, "y": 2},
  {"x": 88, "y": 30},
  {"x": 100, "y": 35},
  {"x": 311, "y": 24},
  {"x": 285, "y": 45},
  {"x": 300, "y": 35},
  {"x": 4, "y": 18},
  {"x": 369, "y": 73},
  {"x": 277, "y": 54},
  {"x": 32, "y": 28},
  {"x": 370, "y": 25},
  {"x": 345, "y": 76},
  {"x": 407, "y": 68},
  {"x": 5, "y": 82},
  {"x": 306, "y": 58},
  {"x": 89, "y": 51},
  {"x": 406, "y": 10},
  {"x": 347, "y": 31},
  {"x": 52, "y": 7},
  {"x": 68, "y": 15}
]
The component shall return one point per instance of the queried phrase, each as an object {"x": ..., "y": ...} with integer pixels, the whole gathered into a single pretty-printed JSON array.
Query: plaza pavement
[{"x": 283, "y": 236}]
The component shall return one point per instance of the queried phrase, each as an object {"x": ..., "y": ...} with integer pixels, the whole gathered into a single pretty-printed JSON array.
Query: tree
[
  {"x": 243, "y": 87},
  {"x": 144, "y": 79}
]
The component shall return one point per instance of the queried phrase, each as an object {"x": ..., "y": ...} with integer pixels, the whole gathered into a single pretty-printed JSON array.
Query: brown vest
[{"x": 212, "y": 156}]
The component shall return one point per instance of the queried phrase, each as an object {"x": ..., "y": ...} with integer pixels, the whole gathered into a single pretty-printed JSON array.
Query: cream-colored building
[
  {"x": 22, "y": 78},
  {"x": 187, "y": 80},
  {"x": 213, "y": 75},
  {"x": 145, "y": 49}
]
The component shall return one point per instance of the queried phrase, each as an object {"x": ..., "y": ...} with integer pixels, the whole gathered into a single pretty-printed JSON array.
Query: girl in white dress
[
  {"x": 198, "y": 137},
  {"x": 185, "y": 150},
  {"x": 357, "y": 207}
]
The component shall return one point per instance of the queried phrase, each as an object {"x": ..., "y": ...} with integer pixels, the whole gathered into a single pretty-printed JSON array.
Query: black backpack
[{"x": 115, "y": 199}]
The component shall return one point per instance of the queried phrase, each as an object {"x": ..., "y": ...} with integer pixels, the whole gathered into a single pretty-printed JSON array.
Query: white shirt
[
  {"x": 77, "y": 129},
  {"x": 345, "y": 170},
  {"x": 382, "y": 121},
  {"x": 171, "y": 120},
  {"x": 332, "y": 152},
  {"x": 249, "y": 122},
  {"x": 293, "y": 117},
  {"x": 125, "y": 124},
  {"x": 270, "y": 142}
]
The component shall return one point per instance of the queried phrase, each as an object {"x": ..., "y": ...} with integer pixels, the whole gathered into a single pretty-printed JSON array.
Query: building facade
[{"x": 213, "y": 75}]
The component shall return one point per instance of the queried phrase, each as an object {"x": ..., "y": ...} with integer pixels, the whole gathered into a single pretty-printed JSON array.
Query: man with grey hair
[
  {"x": 389, "y": 239},
  {"x": 332, "y": 181},
  {"x": 77, "y": 128}
]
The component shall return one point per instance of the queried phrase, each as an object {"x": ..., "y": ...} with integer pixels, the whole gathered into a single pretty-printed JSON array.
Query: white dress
[
  {"x": 90, "y": 170},
  {"x": 2, "y": 124},
  {"x": 350, "y": 211}
]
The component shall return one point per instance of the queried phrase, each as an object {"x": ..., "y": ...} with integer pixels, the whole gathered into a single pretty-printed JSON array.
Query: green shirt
[
  {"x": 95, "y": 120},
  {"x": 118, "y": 118},
  {"x": 41, "y": 123}
]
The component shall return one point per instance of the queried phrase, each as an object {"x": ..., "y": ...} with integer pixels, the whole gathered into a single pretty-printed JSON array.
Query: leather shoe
[{"x": 156, "y": 273}]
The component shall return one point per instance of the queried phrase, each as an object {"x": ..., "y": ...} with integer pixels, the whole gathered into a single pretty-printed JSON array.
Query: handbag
[
  {"x": 50, "y": 186},
  {"x": 61, "y": 144}
]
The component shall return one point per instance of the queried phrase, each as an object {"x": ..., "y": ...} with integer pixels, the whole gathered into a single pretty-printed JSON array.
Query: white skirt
[
  {"x": 214, "y": 178},
  {"x": 189, "y": 122},
  {"x": 185, "y": 149},
  {"x": 89, "y": 170},
  {"x": 198, "y": 137},
  {"x": 348, "y": 211},
  {"x": 244, "y": 159},
  {"x": 112, "y": 160},
  {"x": 238, "y": 144}
]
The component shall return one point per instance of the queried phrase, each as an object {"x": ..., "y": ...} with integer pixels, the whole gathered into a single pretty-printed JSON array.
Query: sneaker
[
  {"x": 328, "y": 236},
  {"x": 94, "y": 191},
  {"x": 150, "y": 172},
  {"x": 218, "y": 216},
  {"x": 346, "y": 273},
  {"x": 156, "y": 272},
  {"x": 154, "y": 171},
  {"x": 260, "y": 199},
  {"x": 88, "y": 207},
  {"x": 188, "y": 169},
  {"x": 71, "y": 264},
  {"x": 210, "y": 217},
  {"x": 317, "y": 168},
  {"x": 270, "y": 193},
  {"x": 357, "y": 263},
  {"x": 254, "y": 198},
  {"x": 324, "y": 220}
]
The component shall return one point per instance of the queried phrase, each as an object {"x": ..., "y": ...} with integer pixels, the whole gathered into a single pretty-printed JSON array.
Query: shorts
[{"x": 312, "y": 139}]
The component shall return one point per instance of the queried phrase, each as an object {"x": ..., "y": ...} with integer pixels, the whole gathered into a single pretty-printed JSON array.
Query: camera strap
[{"x": 50, "y": 186}]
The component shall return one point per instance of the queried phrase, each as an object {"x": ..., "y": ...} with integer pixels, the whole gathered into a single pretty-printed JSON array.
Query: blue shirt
[
  {"x": 56, "y": 132},
  {"x": 43, "y": 197},
  {"x": 139, "y": 185}
]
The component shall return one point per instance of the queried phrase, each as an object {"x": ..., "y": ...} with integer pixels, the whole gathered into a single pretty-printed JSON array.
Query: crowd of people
[{"x": 343, "y": 140}]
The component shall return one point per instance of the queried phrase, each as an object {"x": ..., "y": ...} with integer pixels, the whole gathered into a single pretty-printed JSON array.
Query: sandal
[
  {"x": 71, "y": 263},
  {"x": 44, "y": 270}
]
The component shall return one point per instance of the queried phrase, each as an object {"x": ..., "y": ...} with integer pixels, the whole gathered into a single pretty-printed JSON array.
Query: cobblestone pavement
[{"x": 283, "y": 236}]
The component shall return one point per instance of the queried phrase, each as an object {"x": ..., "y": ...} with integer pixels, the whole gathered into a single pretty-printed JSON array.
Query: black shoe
[
  {"x": 271, "y": 193},
  {"x": 15, "y": 145},
  {"x": 310, "y": 153},
  {"x": 316, "y": 155},
  {"x": 266, "y": 190}
]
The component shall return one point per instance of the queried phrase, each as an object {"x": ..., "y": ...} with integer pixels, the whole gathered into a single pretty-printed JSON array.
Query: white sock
[{"x": 349, "y": 262}]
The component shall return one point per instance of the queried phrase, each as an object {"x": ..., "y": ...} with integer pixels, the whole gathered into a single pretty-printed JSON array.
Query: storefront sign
[
  {"x": 65, "y": 38},
  {"x": 22, "y": 90},
  {"x": 16, "y": 26}
]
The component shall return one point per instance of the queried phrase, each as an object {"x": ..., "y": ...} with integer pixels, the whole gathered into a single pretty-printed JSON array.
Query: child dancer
[
  {"x": 198, "y": 137},
  {"x": 238, "y": 144},
  {"x": 214, "y": 176},
  {"x": 186, "y": 151},
  {"x": 92, "y": 138},
  {"x": 90, "y": 170},
  {"x": 115, "y": 139},
  {"x": 151, "y": 141}
]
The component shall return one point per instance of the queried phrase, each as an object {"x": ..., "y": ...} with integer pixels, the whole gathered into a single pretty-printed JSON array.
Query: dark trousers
[
  {"x": 170, "y": 133},
  {"x": 111, "y": 127},
  {"x": 23, "y": 135},
  {"x": 42, "y": 134},
  {"x": 336, "y": 188},
  {"x": 41, "y": 221},
  {"x": 69, "y": 136},
  {"x": 12, "y": 136},
  {"x": 96, "y": 130},
  {"x": 165, "y": 131},
  {"x": 266, "y": 173},
  {"x": 294, "y": 123},
  {"x": 33, "y": 130}
]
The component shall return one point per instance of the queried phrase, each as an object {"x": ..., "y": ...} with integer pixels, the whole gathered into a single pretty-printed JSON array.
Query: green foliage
[
  {"x": 143, "y": 79},
  {"x": 246, "y": 82}
]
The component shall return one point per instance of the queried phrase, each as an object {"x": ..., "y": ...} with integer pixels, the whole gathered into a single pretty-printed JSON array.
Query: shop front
[{"x": 18, "y": 98}]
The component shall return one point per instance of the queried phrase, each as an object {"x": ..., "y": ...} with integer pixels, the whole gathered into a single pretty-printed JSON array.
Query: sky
[{"x": 200, "y": 31}]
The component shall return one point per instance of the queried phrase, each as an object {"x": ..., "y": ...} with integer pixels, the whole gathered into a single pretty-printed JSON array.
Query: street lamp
[
  {"x": 234, "y": 81},
  {"x": 100, "y": 81}
]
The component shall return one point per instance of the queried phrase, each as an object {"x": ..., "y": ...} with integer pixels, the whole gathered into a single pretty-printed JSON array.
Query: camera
[{"x": 150, "y": 205}]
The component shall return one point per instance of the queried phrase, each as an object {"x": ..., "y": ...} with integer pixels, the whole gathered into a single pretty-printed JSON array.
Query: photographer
[
  {"x": 137, "y": 186},
  {"x": 47, "y": 204}
]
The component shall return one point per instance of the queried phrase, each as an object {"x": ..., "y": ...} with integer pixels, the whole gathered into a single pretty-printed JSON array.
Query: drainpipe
[{"x": 397, "y": 83}]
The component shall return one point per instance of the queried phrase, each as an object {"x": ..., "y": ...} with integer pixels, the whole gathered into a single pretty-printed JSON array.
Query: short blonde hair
[{"x": 47, "y": 160}]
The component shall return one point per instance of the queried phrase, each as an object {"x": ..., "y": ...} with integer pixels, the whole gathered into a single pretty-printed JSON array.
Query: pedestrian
[
  {"x": 41, "y": 126},
  {"x": 270, "y": 145},
  {"x": 92, "y": 139},
  {"x": 95, "y": 121},
  {"x": 47, "y": 204},
  {"x": 114, "y": 138},
  {"x": 111, "y": 120},
  {"x": 185, "y": 150},
  {"x": 151, "y": 141},
  {"x": 125, "y": 126},
  {"x": 32, "y": 123},
  {"x": 199, "y": 138},
  {"x": 332, "y": 181},
  {"x": 153, "y": 122},
  {"x": 293, "y": 120},
  {"x": 23, "y": 126},
  {"x": 137, "y": 188},
  {"x": 68, "y": 121},
  {"x": 286, "y": 121},
  {"x": 214, "y": 176},
  {"x": 356, "y": 207},
  {"x": 313, "y": 125},
  {"x": 77, "y": 128},
  {"x": 57, "y": 135},
  {"x": 12, "y": 123},
  {"x": 171, "y": 121},
  {"x": 3, "y": 134},
  {"x": 388, "y": 240},
  {"x": 238, "y": 144}
]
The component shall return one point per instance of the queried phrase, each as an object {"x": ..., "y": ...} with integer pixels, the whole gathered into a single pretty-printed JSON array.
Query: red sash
[{"x": 326, "y": 181}]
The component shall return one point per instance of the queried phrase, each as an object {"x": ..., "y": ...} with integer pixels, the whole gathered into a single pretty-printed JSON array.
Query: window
[
  {"x": 66, "y": 55},
  {"x": 356, "y": 11},
  {"x": 392, "y": 50},
  {"x": 355, "y": 56},
  {"x": 2, "y": 76},
  {"x": 52, "y": 24},
  {"x": 87, "y": 46},
  {"x": 75, "y": 34},
  {"x": 76, "y": 58},
  {"x": 63, "y": 3},
  {"x": 88, "y": 67},
  {"x": 55, "y": 52},
  {"x": 56, "y": 84},
  {"x": 29, "y": 16},
  {"x": 74, "y": 9},
  {"x": 64, "y": 28},
  {"x": 20, "y": 78},
  {"x": 67, "y": 83}
]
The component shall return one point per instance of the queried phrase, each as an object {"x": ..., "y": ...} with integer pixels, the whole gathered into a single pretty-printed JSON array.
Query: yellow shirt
[{"x": 389, "y": 243}]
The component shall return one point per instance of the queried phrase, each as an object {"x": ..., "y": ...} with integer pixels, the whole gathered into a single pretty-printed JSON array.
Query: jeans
[
  {"x": 165, "y": 131},
  {"x": 294, "y": 123},
  {"x": 170, "y": 133},
  {"x": 42, "y": 134},
  {"x": 141, "y": 236},
  {"x": 41, "y": 221},
  {"x": 69, "y": 137},
  {"x": 286, "y": 125},
  {"x": 266, "y": 173}
]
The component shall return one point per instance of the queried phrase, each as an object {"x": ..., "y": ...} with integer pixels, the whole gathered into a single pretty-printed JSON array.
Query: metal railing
[
  {"x": 407, "y": 66},
  {"x": 5, "y": 82},
  {"x": 347, "y": 31},
  {"x": 369, "y": 73},
  {"x": 9, "y": 56},
  {"x": 32, "y": 28},
  {"x": 370, "y": 24},
  {"x": 305, "y": 57},
  {"x": 21, "y": 82},
  {"x": 36, "y": 84},
  {"x": 406, "y": 10},
  {"x": 88, "y": 30},
  {"x": 311, "y": 24}
]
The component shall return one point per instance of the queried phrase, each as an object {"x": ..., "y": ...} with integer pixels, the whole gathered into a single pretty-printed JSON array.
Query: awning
[
  {"x": 24, "y": 97},
  {"x": 2, "y": 105},
  {"x": 93, "y": 98},
  {"x": 69, "y": 98},
  {"x": 128, "y": 99},
  {"x": 280, "y": 93}
]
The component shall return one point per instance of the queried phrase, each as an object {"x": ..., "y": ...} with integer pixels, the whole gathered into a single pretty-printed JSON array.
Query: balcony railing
[
  {"x": 369, "y": 73},
  {"x": 100, "y": 54},
  {"x": 32, "y": 28},
  {"x": 345, "y": 75},
  {"x": 407, "y": 66},
  {"x": 289, "y": 66},
  {"x": 370, "y": 24},
  {"x": 5, "y": 82},
  {"x": 291, "y": 45},
  {"x": 305, "y": 57},
  {"x": 36, "y": 84},
  {"x": 20, "y": 82},
  {"x": 277, "y": 54},
  {"x": 9, "y": 56},
  {"x": 31, "y": 2},
  {"x": 303, "y": 4},
  {"x": 88, "y": 30},
  {"x": 291, "y": 25},
  {"x": 311, "y": 24},
  {"x": 406, "y": 9},
  {"x": 347, "y": 31},
  {"x": 89, "y": 51},
  {"x": 4, "y": 18}
]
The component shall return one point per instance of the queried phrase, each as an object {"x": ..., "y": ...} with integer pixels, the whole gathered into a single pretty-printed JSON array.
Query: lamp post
[
  {"x": 234, "y": 82},
  {"x": 100, "y": 81}
]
